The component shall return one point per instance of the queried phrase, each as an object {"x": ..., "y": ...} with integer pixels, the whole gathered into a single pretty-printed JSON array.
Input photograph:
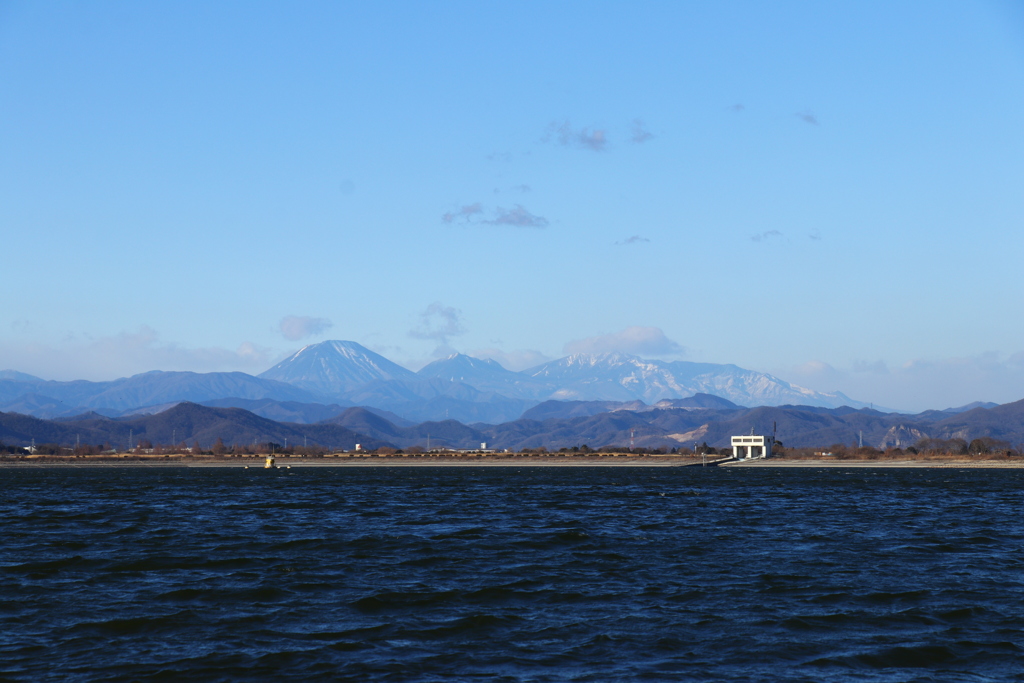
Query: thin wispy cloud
[
  {"x": 515, "y": 361},
  {"x": 517, "y": 217},
  {"x": 878, "y": 367},
  {"x": 807, "y": 118},
  {"x": 523, "y": 189},
  {"x": 584, "y": 138},
  {"x": 439, "y": 323},
  {"x": 920, "y": 384},
  {"x": 295, "y": 327},
  {"x": 766, "y": 235},
  {"x": 640, "y": 341},
  {"x": 635, "y": 239},
  {"x": 639, "y": 133},
  {"x": 125, "y": 354},
  {"x": 475, "y": 214},
  {"x": 504, "y": 157},
  {"x": 464, "y": 214}
]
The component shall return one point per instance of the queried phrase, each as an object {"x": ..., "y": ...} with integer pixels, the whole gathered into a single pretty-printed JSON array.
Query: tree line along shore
[
  {"x": 956, "y": 450},
  {"x": 929, "y": 447}
]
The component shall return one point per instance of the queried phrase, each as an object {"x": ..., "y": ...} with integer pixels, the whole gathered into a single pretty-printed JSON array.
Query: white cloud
[
  {"x": 640, "y": 341},
  {"x": 299, "y": 327},
  {"x": 126, "y": 354},
  {"x": 295, "y": 327},
  {"x": 439, "y": 323}
]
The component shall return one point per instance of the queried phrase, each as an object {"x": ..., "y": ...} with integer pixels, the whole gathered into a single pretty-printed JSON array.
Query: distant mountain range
[
  {"x": 339, "y": 393},
  {"x": 53, "y": 399},
  {"x": 616, "y": 376},
  {"x": 185, "y": 422},
  {"x": 350, "y": 372},
  {"x": 552, "y": 424},
  {"x": 470, "y": 390}
]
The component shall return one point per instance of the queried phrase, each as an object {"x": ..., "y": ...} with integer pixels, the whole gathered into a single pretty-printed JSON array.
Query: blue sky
[{"x": 831, "y": 192}]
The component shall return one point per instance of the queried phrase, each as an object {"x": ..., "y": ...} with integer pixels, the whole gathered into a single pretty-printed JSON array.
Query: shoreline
[
  {"x": 298, "y": 463},
  {"x": 502, "y": 461}
]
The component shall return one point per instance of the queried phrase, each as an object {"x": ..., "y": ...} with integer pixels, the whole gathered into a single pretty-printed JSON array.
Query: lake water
[{"x": 511, "y": 574}]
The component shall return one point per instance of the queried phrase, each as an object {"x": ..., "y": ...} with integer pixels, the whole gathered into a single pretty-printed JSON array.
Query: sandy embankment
[{"x": 947, "y": 463}]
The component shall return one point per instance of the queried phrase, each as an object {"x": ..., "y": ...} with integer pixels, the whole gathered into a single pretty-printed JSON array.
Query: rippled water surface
[{"x": 511, "y": 574}]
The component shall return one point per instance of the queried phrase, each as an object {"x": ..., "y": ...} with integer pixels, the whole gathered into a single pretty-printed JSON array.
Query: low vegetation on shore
[{"x": 982, "y": 449}]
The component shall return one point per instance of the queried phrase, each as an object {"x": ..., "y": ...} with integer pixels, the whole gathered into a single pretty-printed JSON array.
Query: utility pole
[{"x": 131, "y": 434}]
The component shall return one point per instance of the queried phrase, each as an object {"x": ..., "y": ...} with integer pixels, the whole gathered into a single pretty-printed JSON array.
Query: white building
[{"x": 752, "y": 446}]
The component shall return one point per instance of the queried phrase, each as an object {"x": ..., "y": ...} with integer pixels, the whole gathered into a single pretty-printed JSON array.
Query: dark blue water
[{"x": 511, "y": 574}]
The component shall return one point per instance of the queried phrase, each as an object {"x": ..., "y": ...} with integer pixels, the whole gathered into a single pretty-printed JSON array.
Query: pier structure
[{"x": 751, "y": 446}]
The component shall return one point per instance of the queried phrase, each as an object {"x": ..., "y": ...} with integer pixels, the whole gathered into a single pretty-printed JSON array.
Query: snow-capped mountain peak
[
  {"x": 332, "y": 367},
  {"x": 622, "y": 377}
]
